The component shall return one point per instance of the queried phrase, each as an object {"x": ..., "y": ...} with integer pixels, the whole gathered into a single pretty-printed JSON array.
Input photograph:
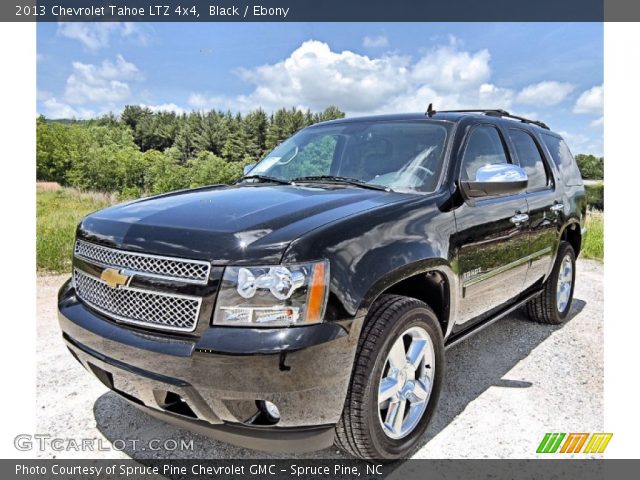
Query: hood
[{"x": 236, "y": 224}]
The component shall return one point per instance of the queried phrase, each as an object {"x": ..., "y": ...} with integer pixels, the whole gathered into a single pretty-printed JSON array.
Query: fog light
[
  {"x": 237, "y": 315},
  {"x": 286, "y": 315},
  {"x": 271, "y": 410},
  {"x": 260, "y": 316}
]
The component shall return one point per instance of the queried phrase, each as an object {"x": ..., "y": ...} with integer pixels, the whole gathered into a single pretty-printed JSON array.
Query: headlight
[{"x": 273, "y": 296}]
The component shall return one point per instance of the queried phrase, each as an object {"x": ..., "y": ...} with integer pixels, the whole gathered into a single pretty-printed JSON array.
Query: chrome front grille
[
  {"x": 194, "y": 271},
  {"x": 142, "y": 307}
]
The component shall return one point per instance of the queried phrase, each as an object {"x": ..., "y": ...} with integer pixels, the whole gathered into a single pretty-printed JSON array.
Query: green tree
[
  {"x": 144, "y": 152},
  {"x": 156, "y": 131},
  {"x": 209, "y": 131},
  {"x": 276, "y": 132},
  {"x": 165, "y": 173},
  {"x": 294, "y": 121},
  {"x": 107, "y": 120},
  {"x": 184, "y": 143},
  {"x": 101, "y": 153},
  {"x": 255, "y": 126},
  {"x": 235, "y": 146},
  {"x": 54, "y": 154},
  {"x": 330, "y": 113},
  {"x": 133, "y": 114},
  {"x": 591, "y": 167}
]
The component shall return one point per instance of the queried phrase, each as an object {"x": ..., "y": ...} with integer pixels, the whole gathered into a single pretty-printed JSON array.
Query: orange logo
[
  {"x": 114, "y": 278},
  {"x": 573, "y": 443}
]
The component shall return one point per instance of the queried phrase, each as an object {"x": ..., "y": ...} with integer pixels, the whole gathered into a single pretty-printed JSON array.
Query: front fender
[
  {"x": 373, "y": 250},
  {"x": 439, "y": 265}
]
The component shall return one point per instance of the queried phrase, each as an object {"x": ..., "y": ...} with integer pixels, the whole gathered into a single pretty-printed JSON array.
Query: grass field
[
  {"x": 60, "y": 209},
  {"x": 595, "y": 194},
  {"x": 58, "y": 212},
  {"x": 593, "y": 241}
]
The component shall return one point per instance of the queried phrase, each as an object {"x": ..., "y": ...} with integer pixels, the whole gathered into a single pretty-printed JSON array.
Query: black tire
[
  {"x": 544, "y": 308},
  {"x": 359, "y": 431}
]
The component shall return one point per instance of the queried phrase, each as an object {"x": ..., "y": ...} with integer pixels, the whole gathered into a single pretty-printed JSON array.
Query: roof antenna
[{"x": 430, "y": 111}]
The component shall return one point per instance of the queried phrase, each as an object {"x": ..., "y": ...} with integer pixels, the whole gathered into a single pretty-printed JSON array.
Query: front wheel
[{"x": 396, "y": 381}]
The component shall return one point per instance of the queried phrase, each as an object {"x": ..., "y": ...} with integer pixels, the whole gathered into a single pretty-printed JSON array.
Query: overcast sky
[{"x": 552, "y": 72}]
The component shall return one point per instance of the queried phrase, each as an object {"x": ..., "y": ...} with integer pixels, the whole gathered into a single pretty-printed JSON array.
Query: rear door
[
  {"x": 491, "y": 240},
  {"x": 543, "y": 201}
]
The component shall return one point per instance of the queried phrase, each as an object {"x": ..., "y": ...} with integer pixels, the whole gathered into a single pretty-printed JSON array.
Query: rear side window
[
  {"x": 485, "y": 147},
  {"x": 563, "y": 159},
  {"x": 530, "y": 159}
]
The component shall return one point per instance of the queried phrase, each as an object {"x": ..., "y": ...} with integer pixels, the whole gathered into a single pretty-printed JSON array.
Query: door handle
[
  {"x": 557, "y": 207},
  {"x": 519, "y": 218}
]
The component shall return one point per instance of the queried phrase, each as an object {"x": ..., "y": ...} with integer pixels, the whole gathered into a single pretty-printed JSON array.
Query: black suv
[{"x": 312, "y": 301}]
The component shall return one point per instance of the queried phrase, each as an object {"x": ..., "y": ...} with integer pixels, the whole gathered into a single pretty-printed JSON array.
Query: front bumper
[{"x": 211, "y": 383}]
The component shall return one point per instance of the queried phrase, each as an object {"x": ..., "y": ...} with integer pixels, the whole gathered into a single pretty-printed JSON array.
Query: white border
[
  {"x": 622, "y": 325},
  {"x": 622, "y": 320},
  {"x": 17, "y": 197}
]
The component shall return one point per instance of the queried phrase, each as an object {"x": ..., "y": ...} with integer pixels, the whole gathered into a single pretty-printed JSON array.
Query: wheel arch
[
  {"x": 433, "y": 282},
  {"x": 572, "y": 233}
]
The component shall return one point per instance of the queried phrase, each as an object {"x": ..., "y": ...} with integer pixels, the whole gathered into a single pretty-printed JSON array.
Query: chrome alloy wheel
[
  {"x": 565, "y": 281},
  {"x": 405, "y": 383}
]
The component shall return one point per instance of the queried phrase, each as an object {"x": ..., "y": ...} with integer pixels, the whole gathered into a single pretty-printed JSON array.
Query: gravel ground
[{"x": 505, "y": 387}]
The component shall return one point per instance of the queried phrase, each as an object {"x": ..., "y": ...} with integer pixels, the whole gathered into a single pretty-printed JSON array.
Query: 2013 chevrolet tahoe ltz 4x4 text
[{"x": 312, "y": 301}]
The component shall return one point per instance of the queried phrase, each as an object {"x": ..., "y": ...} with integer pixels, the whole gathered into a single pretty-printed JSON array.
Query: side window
[
  {"x": 563, "y": 159},
  {"x": 530, "y": 159},
  {"x": 484, "y": 147}
]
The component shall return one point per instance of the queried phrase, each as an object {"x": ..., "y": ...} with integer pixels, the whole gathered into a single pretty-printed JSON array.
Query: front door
[{"x": 492, "y": 236}]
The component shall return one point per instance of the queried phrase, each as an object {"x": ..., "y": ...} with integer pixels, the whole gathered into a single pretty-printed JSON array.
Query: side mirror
[
  {"x": 248, "y": 168},
  {"x": 496, "y": 179}
]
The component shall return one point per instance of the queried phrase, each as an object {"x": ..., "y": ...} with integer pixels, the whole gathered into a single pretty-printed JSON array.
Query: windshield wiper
[
  {"x": 265, "y": 178},
  {"x": 338, "y": 179}
]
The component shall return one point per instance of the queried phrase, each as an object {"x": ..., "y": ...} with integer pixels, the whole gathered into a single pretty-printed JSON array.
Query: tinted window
[
  {"x": 563, "y": 159},
  {"x": 530, "y": 159},
  {"x": 404, "y": 156},
  {"x": 484, "y": 148},
  {"x": 315, "y": 157}
]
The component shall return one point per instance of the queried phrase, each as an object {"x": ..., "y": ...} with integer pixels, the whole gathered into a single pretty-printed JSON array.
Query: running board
[{"x": 481, "y": 326}]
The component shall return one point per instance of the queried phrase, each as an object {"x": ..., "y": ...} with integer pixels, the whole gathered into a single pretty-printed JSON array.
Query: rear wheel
[
  {"x": 554, "y": 303},
  {"x": 396, "y": 381}
]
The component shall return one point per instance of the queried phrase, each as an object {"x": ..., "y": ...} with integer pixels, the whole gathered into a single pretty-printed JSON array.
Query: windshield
[{"x": 400, "y": 155}]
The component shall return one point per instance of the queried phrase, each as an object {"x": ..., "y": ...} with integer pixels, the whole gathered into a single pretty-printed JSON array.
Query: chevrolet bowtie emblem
[{"x": 114, "y": 278}]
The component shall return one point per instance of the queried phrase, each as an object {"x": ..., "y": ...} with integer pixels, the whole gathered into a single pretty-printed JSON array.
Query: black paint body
[{"x": 376, "y": 241}]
